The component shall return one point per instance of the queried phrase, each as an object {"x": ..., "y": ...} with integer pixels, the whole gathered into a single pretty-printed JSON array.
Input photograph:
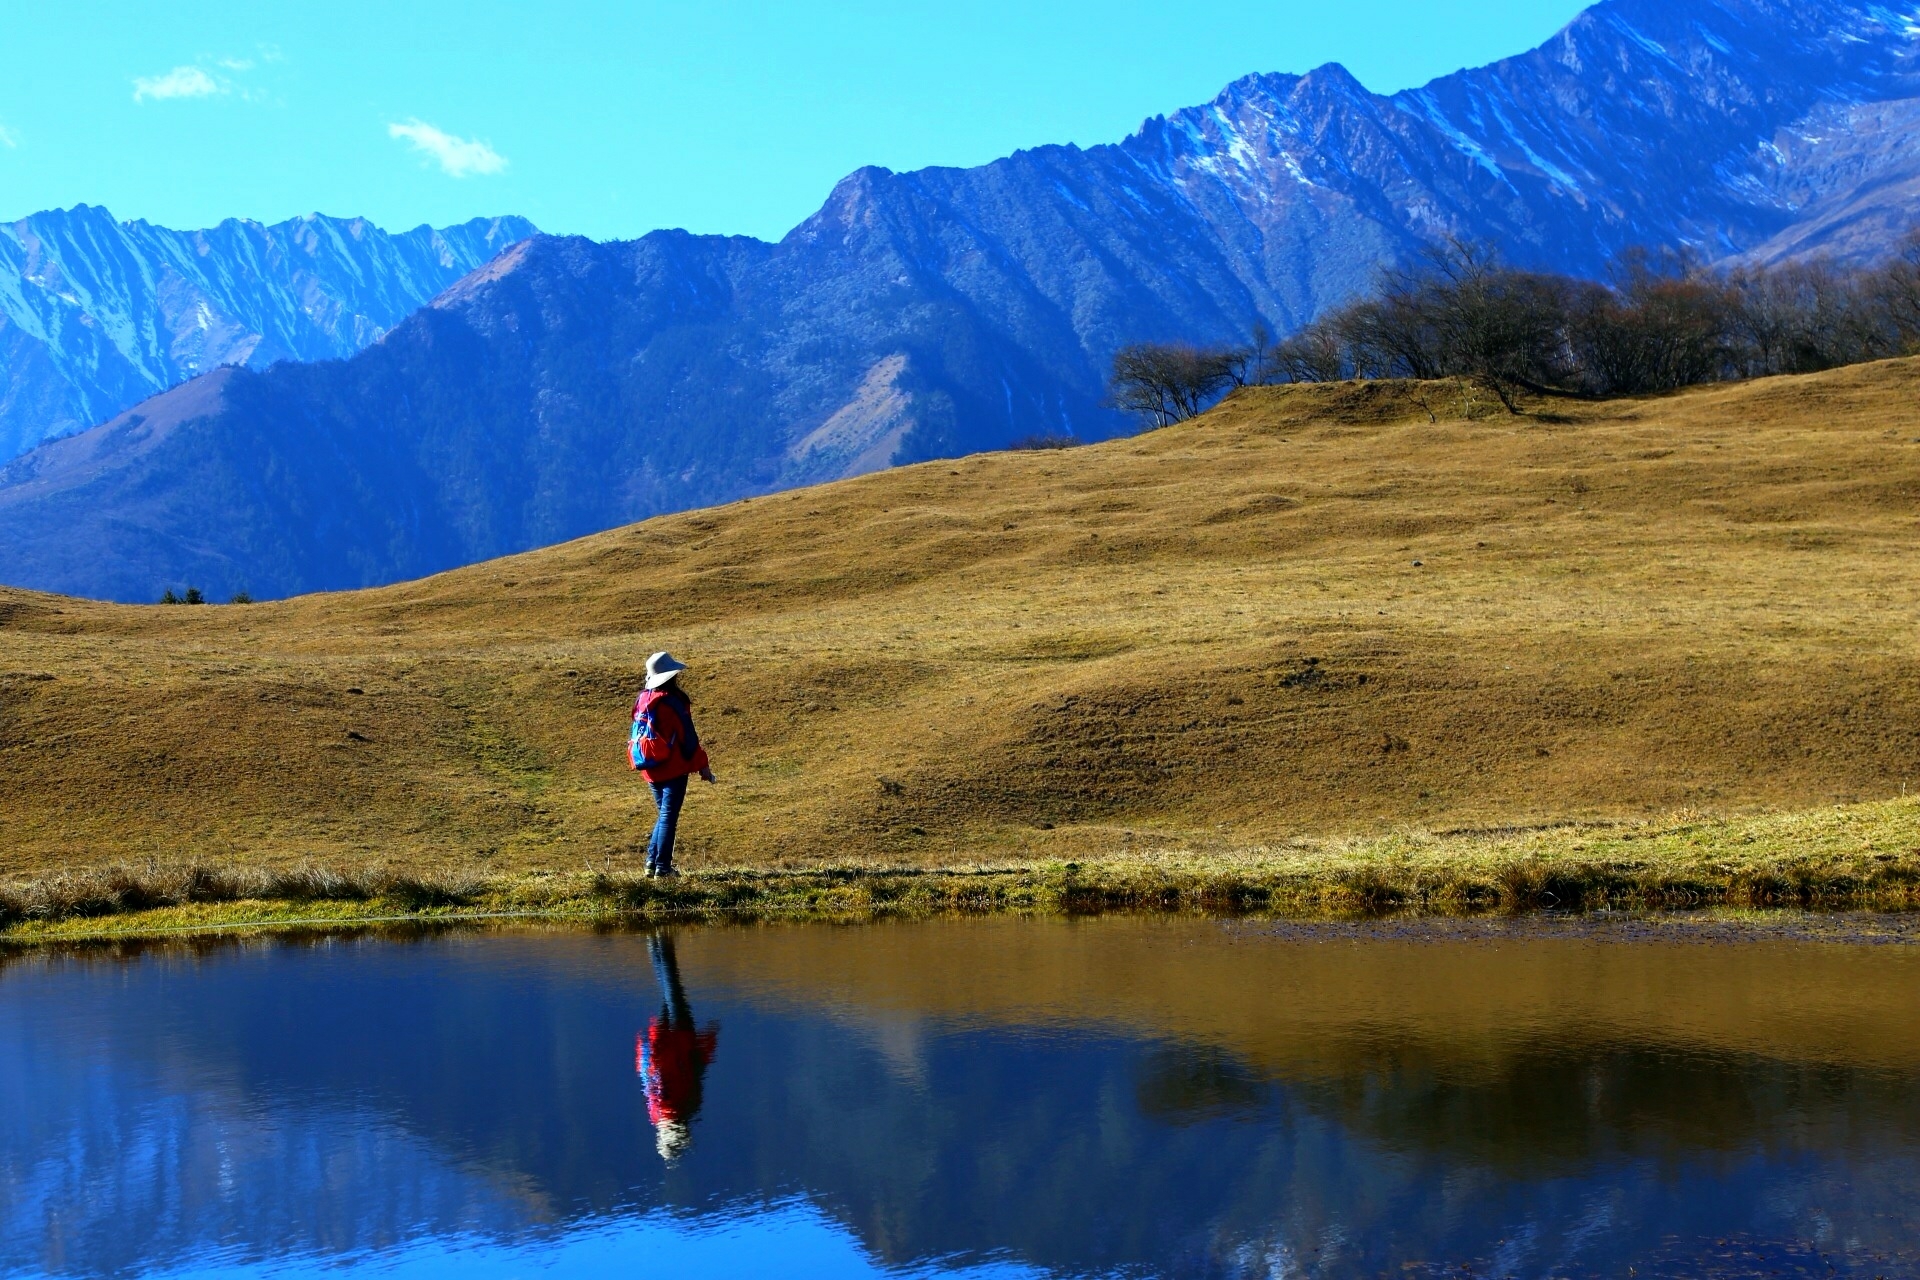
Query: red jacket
[
  {"x": 664, "y": 745},
  {"x": 672, "y": 1062}
]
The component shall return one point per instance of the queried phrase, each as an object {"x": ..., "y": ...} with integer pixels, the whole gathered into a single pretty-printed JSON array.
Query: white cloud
[
  {"x": 237, "y": 64},
  {"x": 7, "y": 138},
  {"x": 457, "y": 157},
  {"x": 181, "y": 82}
]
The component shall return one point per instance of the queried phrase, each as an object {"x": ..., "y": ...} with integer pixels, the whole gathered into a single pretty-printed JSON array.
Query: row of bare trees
[{"x": 1660, "y": 323}]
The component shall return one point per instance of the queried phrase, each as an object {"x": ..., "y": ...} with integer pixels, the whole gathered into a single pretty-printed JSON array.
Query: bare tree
[
  {"x": 1807, "y": 316},
  {"x": 1457, "y": 312},
  {"x": 1251, "y": 365},
  {"x": 1315, "y": 354},
  {"x": 1390, "y": 336},
  {"x": 1665, "y": 324},
  {"x": 1169, "y": 382},
  {"x": 1894, "y": 291},
  {"x": 1505, "y": 329}
]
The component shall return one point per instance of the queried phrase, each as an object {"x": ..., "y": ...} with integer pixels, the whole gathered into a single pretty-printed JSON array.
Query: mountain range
[
  {"x": 568, "y": 386},
  {"x": 98, "y": 314}
]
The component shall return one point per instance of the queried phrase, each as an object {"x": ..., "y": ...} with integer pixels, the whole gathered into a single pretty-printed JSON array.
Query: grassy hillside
[{"x": 1315, "y": 613}]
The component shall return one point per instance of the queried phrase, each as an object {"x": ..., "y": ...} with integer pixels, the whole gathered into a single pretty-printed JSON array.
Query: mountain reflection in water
[{"x": 1116, "y": 1096}]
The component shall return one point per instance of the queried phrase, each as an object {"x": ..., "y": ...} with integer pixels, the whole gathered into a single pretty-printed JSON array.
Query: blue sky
[{"x": 610, "y": 120}]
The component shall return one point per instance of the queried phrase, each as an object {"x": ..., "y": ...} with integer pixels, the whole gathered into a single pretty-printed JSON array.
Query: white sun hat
[
  {"x": 671, "y": 1138},
  {"x": 662, "y": 667}
]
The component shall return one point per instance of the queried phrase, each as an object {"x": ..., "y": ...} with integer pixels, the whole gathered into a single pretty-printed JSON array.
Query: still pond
[{"x": 1106, "y": 1097}]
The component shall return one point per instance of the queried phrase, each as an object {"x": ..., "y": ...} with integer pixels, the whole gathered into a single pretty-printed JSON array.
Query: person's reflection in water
[{"x": 672, "y": 1056}]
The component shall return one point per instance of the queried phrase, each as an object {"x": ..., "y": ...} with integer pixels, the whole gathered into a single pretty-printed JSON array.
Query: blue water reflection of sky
[
  {"x": 473, "y": 1107},
  {"x": 793, "y": 1239}
]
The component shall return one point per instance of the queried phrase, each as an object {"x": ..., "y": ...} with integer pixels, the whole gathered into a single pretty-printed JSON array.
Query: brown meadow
[{"x": 1316, "y": 625}]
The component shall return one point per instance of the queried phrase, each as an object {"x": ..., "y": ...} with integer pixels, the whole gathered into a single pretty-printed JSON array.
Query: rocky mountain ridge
[
  {"x": 570, "y": 386},
  {"x": 98, "y": 314}
]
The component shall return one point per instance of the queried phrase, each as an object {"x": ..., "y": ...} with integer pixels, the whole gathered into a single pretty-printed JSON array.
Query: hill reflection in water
[{"x": 1110, "y": 1096}]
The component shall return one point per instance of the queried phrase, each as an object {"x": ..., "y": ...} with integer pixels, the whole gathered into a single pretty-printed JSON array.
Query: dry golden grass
[
  {"x": 1315, "y": 615},
  {"x": 1855, "y": 856}
]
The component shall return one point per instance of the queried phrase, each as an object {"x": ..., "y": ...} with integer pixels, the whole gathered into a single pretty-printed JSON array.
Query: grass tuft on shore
[{"x": 1848, "y": 857}]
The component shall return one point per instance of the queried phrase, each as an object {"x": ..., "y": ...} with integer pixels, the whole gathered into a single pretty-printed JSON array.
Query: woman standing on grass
[{"x": 664, "y": 747}]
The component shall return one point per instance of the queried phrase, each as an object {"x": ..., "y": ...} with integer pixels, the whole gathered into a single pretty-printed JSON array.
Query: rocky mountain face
[
  {"x": 569, "y": 386},
  {"x": 97, "y": 314}
]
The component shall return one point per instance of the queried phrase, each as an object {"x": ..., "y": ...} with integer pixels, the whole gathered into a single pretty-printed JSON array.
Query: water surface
[{"x": 1001, "y": 1097}]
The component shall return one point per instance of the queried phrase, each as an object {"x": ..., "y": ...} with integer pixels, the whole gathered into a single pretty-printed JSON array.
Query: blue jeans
[{"x": 669, "y": 796}]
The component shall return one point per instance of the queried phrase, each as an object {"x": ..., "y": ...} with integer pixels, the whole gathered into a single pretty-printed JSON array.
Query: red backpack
[
  {"x": 647, "y": 748},
  {"x": 663, "y": 739}
]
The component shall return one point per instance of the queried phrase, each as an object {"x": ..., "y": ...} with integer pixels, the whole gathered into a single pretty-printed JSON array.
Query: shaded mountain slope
[
  {"x": 97, "y": 314},
  {"x": 571, "y": 387},
  {"x": 1315, "y": 610}
]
